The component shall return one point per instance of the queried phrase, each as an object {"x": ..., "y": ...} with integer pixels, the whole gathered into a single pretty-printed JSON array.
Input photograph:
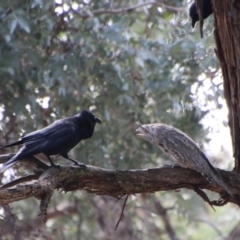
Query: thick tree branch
[{"x": 116, "y": 183}]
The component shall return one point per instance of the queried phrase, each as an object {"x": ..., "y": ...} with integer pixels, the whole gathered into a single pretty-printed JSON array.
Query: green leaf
[
  {"x": 13, "y": 25},
  {"x": 23, "y": 24}
]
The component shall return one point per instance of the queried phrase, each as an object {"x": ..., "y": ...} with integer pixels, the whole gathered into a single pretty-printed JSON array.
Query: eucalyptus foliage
[{"x": 58, "y": 58}]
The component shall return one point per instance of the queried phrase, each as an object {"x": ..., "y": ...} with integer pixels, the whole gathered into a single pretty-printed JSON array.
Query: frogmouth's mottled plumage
[{"x": 180, "y": 148}]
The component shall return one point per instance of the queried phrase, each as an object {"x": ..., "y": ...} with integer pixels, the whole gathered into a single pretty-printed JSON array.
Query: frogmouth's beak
[
  {"x": 143, "y": 132},
  {"x": 98, "y": 120},
  {"x": 140, "y": 131}
]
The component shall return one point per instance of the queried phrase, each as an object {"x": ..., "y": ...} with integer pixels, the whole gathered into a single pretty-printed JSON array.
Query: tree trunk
[{"x": 227, "y": 37}]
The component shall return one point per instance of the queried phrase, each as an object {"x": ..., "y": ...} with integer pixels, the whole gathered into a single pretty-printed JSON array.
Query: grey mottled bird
[
  {"x": 180, "y": 148},
  {"x": 56, "y": 139}
]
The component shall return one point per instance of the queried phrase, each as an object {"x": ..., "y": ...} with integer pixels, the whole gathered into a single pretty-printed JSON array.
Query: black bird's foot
[
  {"x": 82, "y": 165},
  {"x": 74, "y": 161},
  {"x": 51, "y": 162}
]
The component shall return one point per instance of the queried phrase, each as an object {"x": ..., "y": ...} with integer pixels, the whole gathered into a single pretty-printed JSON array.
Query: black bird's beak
[{"x": 98, "y": 120}]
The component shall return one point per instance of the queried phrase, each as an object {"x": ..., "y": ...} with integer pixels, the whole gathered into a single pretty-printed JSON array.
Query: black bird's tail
[
  {"x": 12, "y": 161},
  {"x": 13, "y": 144}
]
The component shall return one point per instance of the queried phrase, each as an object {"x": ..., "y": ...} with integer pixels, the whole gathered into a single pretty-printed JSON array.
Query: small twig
[
  {"x": 45, "y": 200},
  {"x": 163, "y": 212},
  {"x": 20, "y": 180},
  {"x": 212, "y": 225},
  {"x": 127, "y": 9},
  {"x": 119, "y": 198},
  {"x": 124, "y": 204},
  {"x": 204, "y": 196}
]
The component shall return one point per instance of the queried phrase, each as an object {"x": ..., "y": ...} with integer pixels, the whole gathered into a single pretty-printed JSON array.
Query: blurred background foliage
[{"x": 142, "y": 64}]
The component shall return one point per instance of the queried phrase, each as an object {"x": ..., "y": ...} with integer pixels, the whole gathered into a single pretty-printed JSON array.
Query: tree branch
[
  {"x": 116, "y": 183},
  {"x": 127, "y": 9},
  {"x": 163, "y": 212}
]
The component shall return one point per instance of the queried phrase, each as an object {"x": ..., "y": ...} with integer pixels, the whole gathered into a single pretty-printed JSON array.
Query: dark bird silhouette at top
[
  {"x": 56, "y": 139},
  {"x": 206, "y": 11}
]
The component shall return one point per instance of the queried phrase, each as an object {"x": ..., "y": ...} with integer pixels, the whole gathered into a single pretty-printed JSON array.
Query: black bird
[
  {"x": 206, "y": 11},
  {"x": 56, "y": 139}
]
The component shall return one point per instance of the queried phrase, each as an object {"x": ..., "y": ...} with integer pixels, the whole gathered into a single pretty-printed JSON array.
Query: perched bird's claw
[{"x": 82, "y": 165}]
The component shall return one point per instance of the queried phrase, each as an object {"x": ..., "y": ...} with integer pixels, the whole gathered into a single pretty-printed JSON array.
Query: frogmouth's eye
[
  {"x": 139, "y": 126},
  {"x": 145, "y": 130}
]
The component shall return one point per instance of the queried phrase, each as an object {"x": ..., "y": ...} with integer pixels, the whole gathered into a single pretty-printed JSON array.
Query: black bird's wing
[
  {"x": 52, "y": 139},
  {"x": 13, "y": 144}
]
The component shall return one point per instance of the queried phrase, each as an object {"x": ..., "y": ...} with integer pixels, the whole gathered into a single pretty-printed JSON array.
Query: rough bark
[
  {"x": 114, "y": 183},
  {"x": 227, "y": 36}
]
